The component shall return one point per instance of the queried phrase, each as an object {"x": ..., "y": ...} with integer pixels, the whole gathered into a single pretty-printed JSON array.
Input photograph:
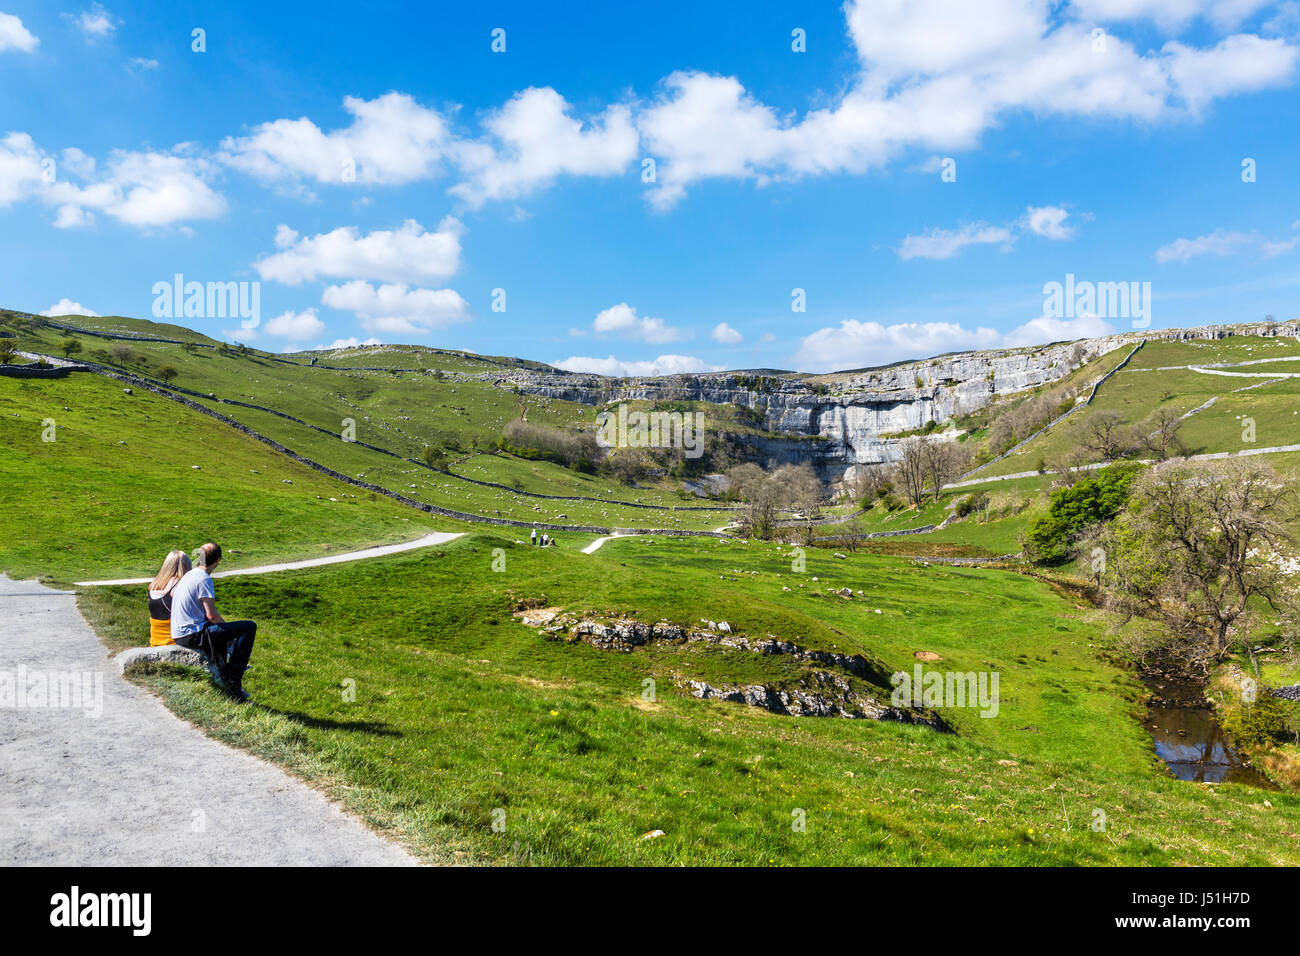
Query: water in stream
[{"x": 1189, "y": 739}]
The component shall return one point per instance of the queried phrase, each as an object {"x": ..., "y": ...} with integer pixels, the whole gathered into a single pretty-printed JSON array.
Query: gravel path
[
  {"x": 437, "y": 537},
  {"x": 135, "y": 785}
]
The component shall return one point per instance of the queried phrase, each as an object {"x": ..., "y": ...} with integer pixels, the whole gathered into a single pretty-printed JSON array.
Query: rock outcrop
[{"x": 839, "y": 420}]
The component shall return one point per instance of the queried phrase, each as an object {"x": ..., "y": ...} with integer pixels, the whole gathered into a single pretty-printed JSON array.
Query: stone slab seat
[{"x": 164, "y": 654}]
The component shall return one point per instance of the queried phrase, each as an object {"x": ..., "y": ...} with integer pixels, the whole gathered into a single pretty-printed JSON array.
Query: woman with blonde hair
[{"x": 173, "y": 569}]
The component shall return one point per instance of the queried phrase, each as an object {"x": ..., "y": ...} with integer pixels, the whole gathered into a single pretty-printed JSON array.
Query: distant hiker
[
  {"x": 160, "y": 597},
  {"x": 532, "y": 538},
  {"x": 544, "y": 539},
  {"x": 197, "y": 625}
]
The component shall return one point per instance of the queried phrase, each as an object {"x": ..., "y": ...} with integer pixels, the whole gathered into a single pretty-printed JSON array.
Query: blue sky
[{"x": 379, "y": 170}]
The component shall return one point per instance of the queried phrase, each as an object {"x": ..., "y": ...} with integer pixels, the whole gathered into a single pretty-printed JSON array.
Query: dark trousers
[{"x": 227, "y": 645}]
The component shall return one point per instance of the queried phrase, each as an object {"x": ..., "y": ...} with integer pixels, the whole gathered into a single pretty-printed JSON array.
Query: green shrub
[
  {"x": 1262, "y": 722},
  {"x": 1050, "y": 539}
]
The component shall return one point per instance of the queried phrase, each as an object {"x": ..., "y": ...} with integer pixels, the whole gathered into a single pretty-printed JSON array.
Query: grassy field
[
  {"x": 460, "y": 711},
  {"x": 118, "y": 488},
  {"x": 1142, "y": 388},
  {"x": 464, "y": 405}
]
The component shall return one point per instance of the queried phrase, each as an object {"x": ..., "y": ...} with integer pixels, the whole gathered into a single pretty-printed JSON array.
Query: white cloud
[
  {"x": 946, "y": 243},
  {"x": 1049, "y": 222},
  {"x": 407, "y": 254},
  {"x": 1237, "y": 64},
  {"x": 1224, "y": 242},
  {"x": 395, "y": 309},
  {"x": 352, "y": 342},
  {"x": 140, "y": 64},
  {"x": 902, "y": 37},
  {"x": 623, "y": 320},
  {"x": 66, "y": 306},
  {"x": 95, "y": 23},
  {"x": 936, "y": 74},
  {"x": 539, "y": 141},
  {"x": 854, "y": 344},
  {"x": 1046, "y": 329},
  {"x": 726, "y": 335},
  {"x": 143, "y": 189},
  {"x": 663, "y": 365},
  {"x": 296, "y": 326},
  {"x": 392, "y": 140},
  {"x": 1169, "y": 14},
  {"x": 15, "y": 36}
]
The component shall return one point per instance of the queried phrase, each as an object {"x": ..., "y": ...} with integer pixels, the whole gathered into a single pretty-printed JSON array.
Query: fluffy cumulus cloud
[
  {"x": 1169, "y": 14},
  {"x": 1225, "y": 242},
  {"x": 663, "y": 365},
  {"x": 724, "y": 334},
  {"x": 67, "y": 307},
  {"x": 534, "y": 139},
  {"x": 1048, "y": 222},
  {"x": 854, "y": 344},
  {"x": 392, "y": 140},
  {"x": 144, "y": 189},
  {"x": 936, "y": 74},
  {"x": 407, "y": 254},
  {"x": 396, "y": 309},
  {"x": 296, "y": 326},
  {"x": 15, "y": 36},
  {"x": 622, "y": 320}
]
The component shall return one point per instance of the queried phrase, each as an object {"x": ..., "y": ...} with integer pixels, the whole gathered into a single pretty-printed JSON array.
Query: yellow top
[{"x": 160, "y": 632}]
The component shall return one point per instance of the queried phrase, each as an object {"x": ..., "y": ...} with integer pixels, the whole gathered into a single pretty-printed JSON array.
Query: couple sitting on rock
[{"x": 183, "y": 610}]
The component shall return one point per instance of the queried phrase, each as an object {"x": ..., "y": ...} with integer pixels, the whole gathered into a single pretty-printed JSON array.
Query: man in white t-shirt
[{"x": 196, "y": 624}]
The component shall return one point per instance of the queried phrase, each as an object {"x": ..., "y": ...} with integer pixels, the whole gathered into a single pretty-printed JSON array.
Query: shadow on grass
[{"x": 324, "y": 723}]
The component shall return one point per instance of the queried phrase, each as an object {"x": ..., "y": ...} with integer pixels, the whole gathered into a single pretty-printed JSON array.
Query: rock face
[{"x": 836, "y": 421}]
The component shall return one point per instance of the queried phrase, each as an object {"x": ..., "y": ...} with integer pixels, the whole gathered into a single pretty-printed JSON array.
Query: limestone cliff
[{"x": 848, "y": 412}]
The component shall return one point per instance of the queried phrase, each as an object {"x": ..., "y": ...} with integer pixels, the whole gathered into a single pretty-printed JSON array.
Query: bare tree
[
  {"x": 801, "y": 490},
  {"x": 1199, "y": 547},
  {"x": 1106, "y": 435},
  {"x": 853, "y": 534},
  {"x": 1162, "y": 430},
  {"x": 944, "y": 461},
  {"x": 911, "y": 470}
]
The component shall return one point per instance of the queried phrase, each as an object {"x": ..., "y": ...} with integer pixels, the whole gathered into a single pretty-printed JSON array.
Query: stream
[{"x": 1188, "y": 737}]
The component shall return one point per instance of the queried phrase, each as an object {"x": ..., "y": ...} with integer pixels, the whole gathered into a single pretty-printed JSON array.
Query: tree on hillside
[
  {"x": 944, "y": 461},
  {"x": 911, "y": 470},
  {"x": 1075, "y": 510},
  {"x": 1106, "y": 435},
  {"x": 7, "y": 351},
  {"x": 801, "y": 491},
  {"x": 167, "y": 373},
  {"x": 1161, "y": 433},
  {"x": 122, "y": 354},
  {"x": 435, "y": 457},
  {"x": 867, "y": 484},
  {"x": 1202, "y": 548},
  {"x": 69, "y": 347}
]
